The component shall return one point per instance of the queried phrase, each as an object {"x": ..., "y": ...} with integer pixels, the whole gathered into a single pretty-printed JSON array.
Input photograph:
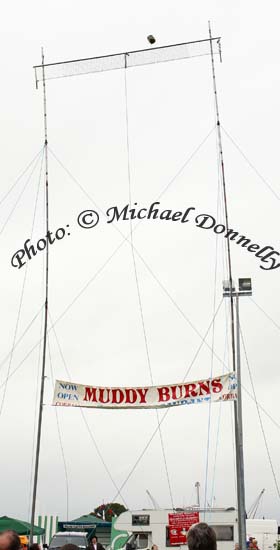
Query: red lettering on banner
[
  {"x": 117, "y": 393},
  {"x": 154, "y": 396},
  {"x": 130, "y": 395},
  {"x": 90, "y": 394},
  {"x": 142, "y": 394},
  {"x": 204, "y": 387},
  {"x": 190, "y": 390},
  {"x": 216, "y": 385},
  {"x": 163, "y": 394},
  {"x": 229, "y": 396},
  {"x": 101, "y": 395},
  {"x": 174, "y": 392}
]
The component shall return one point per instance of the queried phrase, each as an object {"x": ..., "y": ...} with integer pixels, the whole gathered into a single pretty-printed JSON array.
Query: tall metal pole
[
  {"x": 40, "y": 415},
  {"x": 241, "y": 502},
  {"x": 221, "y": 158},
  {"x": 237, "y": 421}
]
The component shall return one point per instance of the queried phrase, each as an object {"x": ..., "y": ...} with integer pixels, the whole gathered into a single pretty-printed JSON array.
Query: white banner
[{"x": 220, "y": 388}]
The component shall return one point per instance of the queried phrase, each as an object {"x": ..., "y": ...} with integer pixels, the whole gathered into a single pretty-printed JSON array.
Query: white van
[
  {"x": 79, "y": 538},
  {"x": 148, "y": 527}
]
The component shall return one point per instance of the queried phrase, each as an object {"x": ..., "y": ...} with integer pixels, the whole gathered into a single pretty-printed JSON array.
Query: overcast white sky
[{"x": 171, "y": 111}]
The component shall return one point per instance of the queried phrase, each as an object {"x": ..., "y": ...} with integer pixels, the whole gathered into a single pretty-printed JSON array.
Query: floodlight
[{"x": 245, "y": 285}]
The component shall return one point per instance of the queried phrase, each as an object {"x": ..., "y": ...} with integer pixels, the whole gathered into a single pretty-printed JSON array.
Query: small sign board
[{"x": 179, "y": 525}]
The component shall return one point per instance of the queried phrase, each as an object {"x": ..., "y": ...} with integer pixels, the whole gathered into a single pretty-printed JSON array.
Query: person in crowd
[
  {"x": 23, "y": 541},
  {"x": 154, "y": 547},
  {"x": 95, "y": 545},
  {"x": 9, "y": 540},
  {"x": 202, "y": 537},
  {"x": 34, "y": 546}
]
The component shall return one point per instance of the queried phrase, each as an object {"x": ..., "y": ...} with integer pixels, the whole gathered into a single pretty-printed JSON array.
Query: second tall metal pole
[
  {"x": 40, "y": 415},
  {"x": 239, "y": 440},
  {"x": 235, "y": 348}
]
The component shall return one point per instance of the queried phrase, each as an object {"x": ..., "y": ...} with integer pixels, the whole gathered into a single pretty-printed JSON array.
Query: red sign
[{"x": 179, "y": 525}]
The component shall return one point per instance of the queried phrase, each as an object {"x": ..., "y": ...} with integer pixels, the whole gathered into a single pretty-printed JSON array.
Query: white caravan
[{"x": 148, "y": 527}]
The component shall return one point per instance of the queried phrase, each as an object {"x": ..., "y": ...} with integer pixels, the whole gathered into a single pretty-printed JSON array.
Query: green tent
[
  {"x": 20, "y": 527},
  {"x": 90, "y": 518}
]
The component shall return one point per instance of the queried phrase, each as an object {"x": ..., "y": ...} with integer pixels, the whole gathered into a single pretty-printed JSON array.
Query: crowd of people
[
  {"x": 10, "y": 540},
  {"x": 200, "y": 537}
]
